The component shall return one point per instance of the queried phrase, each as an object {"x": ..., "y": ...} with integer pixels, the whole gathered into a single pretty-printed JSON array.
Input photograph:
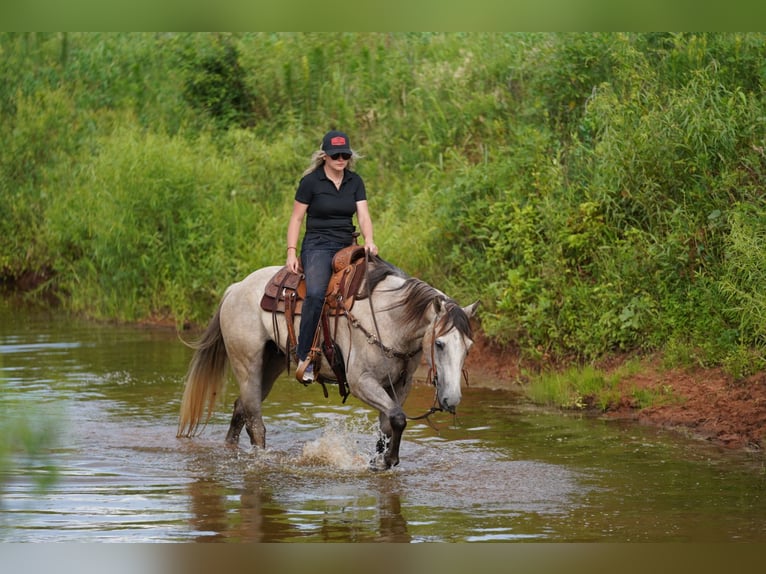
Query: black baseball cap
[{"x": 335, "y": 142}]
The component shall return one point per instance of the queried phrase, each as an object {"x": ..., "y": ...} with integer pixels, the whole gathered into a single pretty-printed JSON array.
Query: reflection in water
[
  {"x": 501, "y": 471},
  {"x": 393, "y": 525},
  {"x": 286, "y": 497},
  {"x": 208, "y": 508}
]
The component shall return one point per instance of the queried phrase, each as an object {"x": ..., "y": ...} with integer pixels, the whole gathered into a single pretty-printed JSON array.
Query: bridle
[
  {"x": 375, "y": 339},
  {"x": 433, "y": 378}
]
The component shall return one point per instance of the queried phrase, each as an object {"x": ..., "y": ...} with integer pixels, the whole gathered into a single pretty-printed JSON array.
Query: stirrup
[{"x": 300, "y": 372}]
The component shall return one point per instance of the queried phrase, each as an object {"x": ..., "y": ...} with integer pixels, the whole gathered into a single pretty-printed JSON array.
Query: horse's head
[{"x": 445, "y": 346}]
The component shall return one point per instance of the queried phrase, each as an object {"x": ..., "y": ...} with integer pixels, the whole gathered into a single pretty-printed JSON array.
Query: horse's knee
[
  {"x": 392, "y": 423},
  {"x": 398, "y": 421}
]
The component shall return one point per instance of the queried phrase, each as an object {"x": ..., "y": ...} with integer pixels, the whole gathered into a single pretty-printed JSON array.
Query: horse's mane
[{"x": 416, "y": 296}]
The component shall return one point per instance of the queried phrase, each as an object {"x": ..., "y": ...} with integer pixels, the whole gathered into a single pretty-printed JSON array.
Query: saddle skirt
[{"x": 286, "y": 290}]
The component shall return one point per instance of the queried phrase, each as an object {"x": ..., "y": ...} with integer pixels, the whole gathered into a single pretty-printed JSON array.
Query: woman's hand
[
  {"x": 292, "y": 261},
  {"x": 371, "y": 248}
]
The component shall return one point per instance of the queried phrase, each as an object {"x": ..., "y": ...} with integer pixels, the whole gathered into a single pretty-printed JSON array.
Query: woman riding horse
[
  {"x": 382, "y": 340},
  {"x": 330, "y": 193}
]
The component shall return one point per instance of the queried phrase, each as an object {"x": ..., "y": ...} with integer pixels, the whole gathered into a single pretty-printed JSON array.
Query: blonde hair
[{"x": 317, "y": 161}]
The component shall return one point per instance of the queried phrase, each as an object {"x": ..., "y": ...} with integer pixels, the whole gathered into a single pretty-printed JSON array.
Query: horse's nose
[{"x": 448, "y": 407}]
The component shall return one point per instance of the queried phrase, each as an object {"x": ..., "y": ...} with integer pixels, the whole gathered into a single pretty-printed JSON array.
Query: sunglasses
[{"x": 346, "y": 156}]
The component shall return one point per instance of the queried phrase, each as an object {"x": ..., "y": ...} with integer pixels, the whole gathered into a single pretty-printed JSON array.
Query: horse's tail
[{"x": 205, "y": 378}]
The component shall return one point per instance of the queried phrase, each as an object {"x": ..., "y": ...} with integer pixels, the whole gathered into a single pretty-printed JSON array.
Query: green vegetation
[
  {"x": 26, "y": 441},
  {"x": 581, "y": 387},
  {"x": 598, "y": 193}
]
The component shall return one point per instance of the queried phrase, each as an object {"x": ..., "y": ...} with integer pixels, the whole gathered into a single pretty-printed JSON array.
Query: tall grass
[{"x": 160, "y": 225}]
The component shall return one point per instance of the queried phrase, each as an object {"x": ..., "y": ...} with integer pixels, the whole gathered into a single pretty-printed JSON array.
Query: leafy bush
[
  {"x": 38, "y": 139},
  {"x": 744, "y": 272},
  {"x": 215, "y": 83}
]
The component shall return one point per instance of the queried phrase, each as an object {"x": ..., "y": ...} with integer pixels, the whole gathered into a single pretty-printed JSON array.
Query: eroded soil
[{"x": 706, "y": 403}]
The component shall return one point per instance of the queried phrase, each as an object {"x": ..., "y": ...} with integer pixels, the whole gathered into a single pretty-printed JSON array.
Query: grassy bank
[{"x": 596, "y": 389}]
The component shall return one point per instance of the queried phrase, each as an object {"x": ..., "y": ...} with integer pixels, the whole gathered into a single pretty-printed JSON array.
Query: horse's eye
[{"x": 439, "y": 344}]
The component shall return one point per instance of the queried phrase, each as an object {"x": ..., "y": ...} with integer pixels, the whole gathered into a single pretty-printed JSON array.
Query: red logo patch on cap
[{"x": 338, "y": 140}]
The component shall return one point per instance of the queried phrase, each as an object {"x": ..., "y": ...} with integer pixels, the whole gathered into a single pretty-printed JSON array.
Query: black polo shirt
[{"x": 329, "y": 217}]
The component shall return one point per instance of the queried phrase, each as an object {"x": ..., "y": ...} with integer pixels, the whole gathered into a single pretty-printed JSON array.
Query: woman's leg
[{"x": 317, "y": 267}]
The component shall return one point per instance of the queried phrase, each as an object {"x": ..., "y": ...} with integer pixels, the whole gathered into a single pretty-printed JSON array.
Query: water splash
[{"x": 342, "y": 445}]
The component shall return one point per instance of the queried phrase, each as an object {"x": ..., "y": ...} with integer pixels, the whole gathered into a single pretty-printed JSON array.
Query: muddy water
[{"x": 502, "y": 470}]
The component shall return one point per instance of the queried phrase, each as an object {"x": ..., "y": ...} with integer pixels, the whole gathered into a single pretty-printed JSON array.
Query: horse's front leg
[
  {"x": 394, "y": 421},
  {"x": 392, "y": 418},
  {"x": 392, "y": 425}
]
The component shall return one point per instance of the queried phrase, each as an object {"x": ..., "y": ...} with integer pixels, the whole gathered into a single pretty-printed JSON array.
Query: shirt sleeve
[
  {"x": 360, "y": 193},
  {"x": 304, "y": 192}
]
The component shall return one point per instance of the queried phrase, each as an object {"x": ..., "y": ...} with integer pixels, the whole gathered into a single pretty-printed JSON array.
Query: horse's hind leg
[
  {"x": 247, "y": 407},
  {"x": 272, "y": 365},
  {"x": 238, "y": 420},
  {"x": 236, "y": 424}
]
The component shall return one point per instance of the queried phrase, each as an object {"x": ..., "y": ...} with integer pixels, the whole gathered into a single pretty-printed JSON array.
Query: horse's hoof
[{"x": 378, "y": 463}]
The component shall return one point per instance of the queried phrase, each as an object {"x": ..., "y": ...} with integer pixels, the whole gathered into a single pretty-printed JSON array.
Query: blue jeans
[{"x": 317, "y": 267}]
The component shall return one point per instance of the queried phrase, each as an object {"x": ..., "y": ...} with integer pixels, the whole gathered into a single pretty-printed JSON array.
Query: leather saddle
[
  {"x": 286, "y": 290},
  {"x": 285, "y": 293}
]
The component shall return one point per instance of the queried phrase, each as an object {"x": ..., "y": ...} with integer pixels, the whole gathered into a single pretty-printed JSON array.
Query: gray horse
[{"x": 382, "y": 340}]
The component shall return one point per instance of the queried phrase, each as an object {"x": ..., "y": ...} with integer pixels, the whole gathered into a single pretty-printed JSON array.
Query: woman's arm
[
  {"x": 293, "y": 231},
  {"x": 365, "y": 224}
]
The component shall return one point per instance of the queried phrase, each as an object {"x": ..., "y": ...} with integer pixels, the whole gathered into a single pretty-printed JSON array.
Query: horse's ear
[
  {"x": 438, "y": 304},
  {"x": 470, "y": 311}
]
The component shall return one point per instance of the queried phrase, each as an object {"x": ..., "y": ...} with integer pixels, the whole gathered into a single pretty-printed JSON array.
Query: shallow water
[{"x": 502, "y": 470}]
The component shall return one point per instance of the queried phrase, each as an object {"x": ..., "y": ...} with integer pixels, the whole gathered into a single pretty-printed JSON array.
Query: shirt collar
[{"x": 323, "y": 175}]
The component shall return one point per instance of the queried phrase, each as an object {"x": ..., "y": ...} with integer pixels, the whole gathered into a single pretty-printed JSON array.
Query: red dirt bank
[{"x": 707, "y": 403}]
